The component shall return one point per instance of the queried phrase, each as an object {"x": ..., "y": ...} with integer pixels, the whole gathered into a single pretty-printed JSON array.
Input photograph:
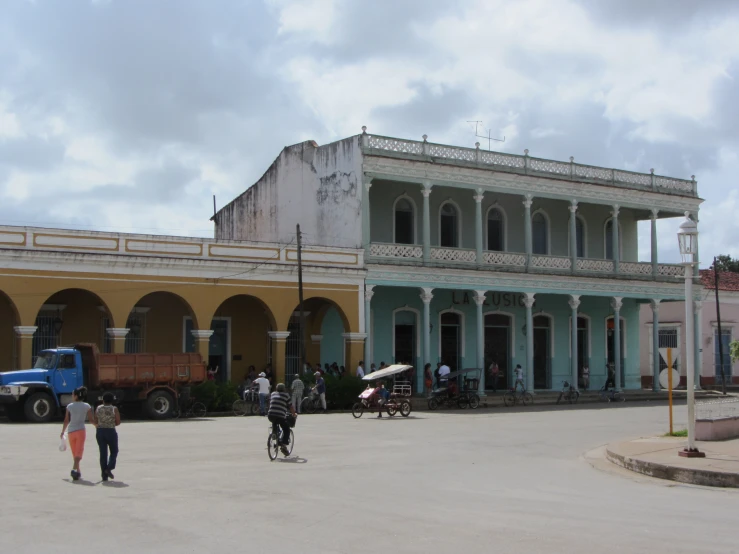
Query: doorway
[
  {"x": 609, "y": 346},
  {"x": 219, "y": 346},
  {"x": 450, "y": 339},
  {"x": 405, "y": 340},
  {"x": 497, "y": 348},
  {"x": 583, "y": 346},
  {"x": 542, "y": 352}
]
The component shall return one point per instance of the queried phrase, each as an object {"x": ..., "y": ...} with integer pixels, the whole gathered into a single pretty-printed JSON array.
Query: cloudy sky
[{"x": 128, "y": 115}]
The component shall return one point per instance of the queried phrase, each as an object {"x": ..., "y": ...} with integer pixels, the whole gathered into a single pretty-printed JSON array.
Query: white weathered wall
[{"x": 318, "y": 187}]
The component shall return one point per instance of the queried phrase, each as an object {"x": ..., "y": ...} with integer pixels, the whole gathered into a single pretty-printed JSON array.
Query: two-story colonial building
[{"x": 474, "y": 256}]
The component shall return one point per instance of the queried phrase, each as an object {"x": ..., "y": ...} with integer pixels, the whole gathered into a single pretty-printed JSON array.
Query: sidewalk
[{"x": 658, "y": 457}]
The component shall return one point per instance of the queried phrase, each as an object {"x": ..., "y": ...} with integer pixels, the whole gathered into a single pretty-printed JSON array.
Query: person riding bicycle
[
  {"x": 382, "y": 395},
  {"x": 279, "y": 403}
]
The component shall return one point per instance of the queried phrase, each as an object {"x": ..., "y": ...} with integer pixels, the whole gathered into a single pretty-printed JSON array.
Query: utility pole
[
  {"x": 720, "y": 334},
  {"x": 301, "y": 326}
]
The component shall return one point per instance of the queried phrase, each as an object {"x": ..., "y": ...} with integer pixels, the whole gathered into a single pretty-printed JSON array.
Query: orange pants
[{"x": 77, "y": 443}]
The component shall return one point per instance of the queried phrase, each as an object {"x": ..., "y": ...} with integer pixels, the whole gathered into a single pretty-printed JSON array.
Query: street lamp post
[{"x": 687, "y": 238}]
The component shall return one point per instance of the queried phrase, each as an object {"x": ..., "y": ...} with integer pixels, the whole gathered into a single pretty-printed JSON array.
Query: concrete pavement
[{"x": 498, "y": 480}]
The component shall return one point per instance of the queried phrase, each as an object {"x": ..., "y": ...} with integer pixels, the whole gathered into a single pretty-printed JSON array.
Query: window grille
[{"x": 45, "y": 336}]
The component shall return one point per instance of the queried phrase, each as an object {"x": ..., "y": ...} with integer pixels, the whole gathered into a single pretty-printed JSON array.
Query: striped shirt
[{"x": 278, "y": 404}]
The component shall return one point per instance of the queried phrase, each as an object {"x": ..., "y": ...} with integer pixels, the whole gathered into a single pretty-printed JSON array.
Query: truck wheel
[
  {"x": 160, "y": 405},
  {"x": 39, "y": 408}
]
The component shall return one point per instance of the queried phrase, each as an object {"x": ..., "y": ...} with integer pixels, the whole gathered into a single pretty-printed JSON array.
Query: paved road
[{"x": 444, "y": 482}]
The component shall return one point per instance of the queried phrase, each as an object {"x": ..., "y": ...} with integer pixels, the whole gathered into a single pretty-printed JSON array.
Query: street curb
[{"x": 671, "y": 473}]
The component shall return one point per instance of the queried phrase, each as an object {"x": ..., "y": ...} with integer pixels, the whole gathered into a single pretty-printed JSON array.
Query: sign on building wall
[{"x": 497, "y": 299}]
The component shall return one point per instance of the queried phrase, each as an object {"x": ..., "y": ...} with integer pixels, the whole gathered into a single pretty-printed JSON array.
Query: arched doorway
[
  {"x": 542, "y": 352},
  {"x": 610, "y": 340},
  {"x": 327, "y": 317},
  {"x": 70, "y": 317},
  {"x": 240, "y": 339},
  {"x": 406, "y": 336},
  {"x": 451, "y": 337},
  {"x": 498, "y": 348},
  {"x": 160, "y": 322},
  {"x": 583, "y": 346},
  {"x": 9, "y": 346}
]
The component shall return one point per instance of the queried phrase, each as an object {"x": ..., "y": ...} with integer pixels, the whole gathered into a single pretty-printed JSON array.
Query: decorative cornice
[
  {"x": 697, "y": 305},
  {"x": 615, "y": 211},
  {"x": 369, "y": 292},
  {"x": 574, "y": 301},
  {"x": 418, "y": 171},
  {"x": 573, "y": 206},
  {"x": 117, "y": 332},
  {"x": 529, "y": 299},
  {"x": 427, "y": 295},
  {"x": 654, "y": 303},
  {"x": 654, "y": 212},
  {"x": 278, "y": 335},
  {"x": 25, "y": 331},
  {"x": 616, "y": 303},
  {"x": 528, "y": 200},
  {"x": 354, "y": 337},
  {"x": 202, "y": 334},
  {"x": 479, "y": 297}
]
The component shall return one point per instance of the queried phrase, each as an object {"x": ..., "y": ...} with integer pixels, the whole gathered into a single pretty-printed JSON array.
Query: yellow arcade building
[{"x": 235, "y": 302}]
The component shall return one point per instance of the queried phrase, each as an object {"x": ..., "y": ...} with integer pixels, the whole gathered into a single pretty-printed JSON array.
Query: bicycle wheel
[
  {"x": 574, "y": 397},
  {"x": 619, "y": 397},
  {"x": 405, "y": 408},
  {"x": 292, "y": 443},
  {"x": 463, "y": 402},
  {"x": 239, "y": 408},
  {"x": 392, "y": 409},
  {"x": 198, "y": 409},
  {"x": 474, "y": 401},
  {"x": 527, "y": 398},
  {"x": 272, "y": 446},
  {"x": 433, "y": 403},
  {"x": 509, "y": 399},
  {"x": 604, "y": 397},
  {"x": 357, "y": 410},
  {"x": 559, "y": 398}
]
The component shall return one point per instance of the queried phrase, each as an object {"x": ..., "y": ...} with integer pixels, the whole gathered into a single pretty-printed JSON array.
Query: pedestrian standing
[
  {"x": 494, "y": 375},
  {"x": 108, "y": 418},
  {"x": 360, "y": 370},
  {"x": 263, "y": 383},
  {"x": 428, "y": 378},
  {"x": 297, "y": 387},
  {"x": 585, "y": 377},
  {"x": 74, "y": 422},
  {"x": 519, "y": 378},
  {"x": 321, "y": 390}
]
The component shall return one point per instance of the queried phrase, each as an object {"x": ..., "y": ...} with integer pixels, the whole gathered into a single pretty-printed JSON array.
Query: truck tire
[
  {"x": 160, "y": 405},
  {"x": 39, "y": 408}
]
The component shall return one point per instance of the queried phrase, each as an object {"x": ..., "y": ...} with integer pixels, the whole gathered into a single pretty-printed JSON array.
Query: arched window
[
  {"x": 580, "y": 236},
  {"x": 404, "y": 222},
  {"x": 609, "y": 240},
  {"x": 496, "y": 230},
  {"x": 540, "y": 234},
  {"x": 449, "y": 226}
]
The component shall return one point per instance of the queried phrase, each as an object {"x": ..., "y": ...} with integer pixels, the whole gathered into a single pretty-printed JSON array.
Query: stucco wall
[
  {"x": 318, "y": 187},
  {"x": 8, "y": 340}
]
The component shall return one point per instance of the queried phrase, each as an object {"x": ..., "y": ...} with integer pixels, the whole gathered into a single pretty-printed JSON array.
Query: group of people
[{"x": 105, "y": 419}]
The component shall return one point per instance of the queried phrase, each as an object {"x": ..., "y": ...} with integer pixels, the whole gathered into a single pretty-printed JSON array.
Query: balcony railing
[
  {"x": 527, "y": 165},
  {"x": 399, "y": 253}
]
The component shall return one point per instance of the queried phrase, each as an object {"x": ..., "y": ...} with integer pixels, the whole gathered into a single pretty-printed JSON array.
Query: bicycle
[
  {"x": 513, "y": 397},
  {"x": 189, "y": 407},
  {"x": 274, "y": 439},
  {"x": 248, "y": 405},
  {"x": 311, "y": 403},
  {"x": 569, "y": 393},
  {"x": 611, "y": 395}
]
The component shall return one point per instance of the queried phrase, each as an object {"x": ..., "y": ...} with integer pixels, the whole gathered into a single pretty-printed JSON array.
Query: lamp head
[{"x": 687, "y": 238}]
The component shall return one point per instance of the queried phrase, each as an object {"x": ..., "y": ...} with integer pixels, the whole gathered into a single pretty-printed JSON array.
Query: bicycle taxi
[
  {"x": 399, "y": 399},
  {"x": 452, "y": 395}
]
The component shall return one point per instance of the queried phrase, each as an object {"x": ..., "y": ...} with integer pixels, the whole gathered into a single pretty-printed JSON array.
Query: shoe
[
  {"x": 105, "y": 476},
  {"x": 284, "y": 450},
  {"x": 379, "y": 416},
  {"x": 75, "y": 475},
  {"x": 110, "y": 473}
]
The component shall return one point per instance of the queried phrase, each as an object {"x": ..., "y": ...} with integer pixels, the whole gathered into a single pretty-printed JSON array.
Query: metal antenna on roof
[{"x": 489, "y": 136}]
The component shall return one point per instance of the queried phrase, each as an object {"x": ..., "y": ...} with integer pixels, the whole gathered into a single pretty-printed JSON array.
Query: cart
[
  {"x": 398, "y": 401},
  {"x": 453, "y": 395}
]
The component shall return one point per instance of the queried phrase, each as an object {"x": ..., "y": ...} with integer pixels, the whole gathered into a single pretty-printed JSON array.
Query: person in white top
[
  {"x": 360, "y": 370},
  {"x": 444, "y": 371},
  {"x": 264, "y": 387},
  {"x": 519, "y": 378}
]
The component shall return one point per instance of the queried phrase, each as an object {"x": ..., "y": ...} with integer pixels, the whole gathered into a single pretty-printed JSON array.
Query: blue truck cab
[{"x": 38, "y": 394}]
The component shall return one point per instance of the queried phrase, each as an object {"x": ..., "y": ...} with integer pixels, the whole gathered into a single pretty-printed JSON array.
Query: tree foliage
[
  {"x": 734, "y": 349},
  {"x": 726, "y": 263}
]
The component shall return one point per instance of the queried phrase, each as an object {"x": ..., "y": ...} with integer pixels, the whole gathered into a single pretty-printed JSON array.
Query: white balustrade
[
  {"x": 504, "y": 259},
  {"x": 396, "y": 250},
  {"x": 631, "y": 268},
  {"x": 452, "y": 153},
  {"x": 670, "y": 270},
  {"x": 551, "y": 262},
  {"x": 597, "y": 266},
  {"x": 453, "y": 255}
]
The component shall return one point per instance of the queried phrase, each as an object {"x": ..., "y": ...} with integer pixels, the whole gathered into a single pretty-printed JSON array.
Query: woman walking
[
  {"x": 108, "y": 418},
  {"x": 74, "y": 422}
]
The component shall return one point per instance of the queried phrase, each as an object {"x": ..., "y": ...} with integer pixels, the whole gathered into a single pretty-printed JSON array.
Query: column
[
  {"x": 696, "y": 257},
  {"x": 614, "y": 239},
  {"x": 528, "y": 201},
  {"x": 279, "y": 338},
  {"x": 479, "y": 301},
  {"x": 574, "y": 305},
  {"x": 655, "y": 345},
  {"x": 426, "y": 298},
  {"x": 478, "y": 225},
  {"x": 119, "y": 339},
  {"x": 655, "y": 261},
  {"x": 202, "y": 343},
  {"x": 697, "y": 306},
  {"x": 573, "y": 237},
  {"x": 368, "y": 294},
  {"x": 528, "y": 301},
  {"x": 25, "y": 351},
  {"x": 616, "y": 304},
  {"x": 355, "y": 343},
  {"x": 366, "y": 239},
  {"x": 426, "y": 221}
]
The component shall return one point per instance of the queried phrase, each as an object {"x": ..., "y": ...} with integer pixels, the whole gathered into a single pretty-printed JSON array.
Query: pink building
[{"x": 671, "y": 321}]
